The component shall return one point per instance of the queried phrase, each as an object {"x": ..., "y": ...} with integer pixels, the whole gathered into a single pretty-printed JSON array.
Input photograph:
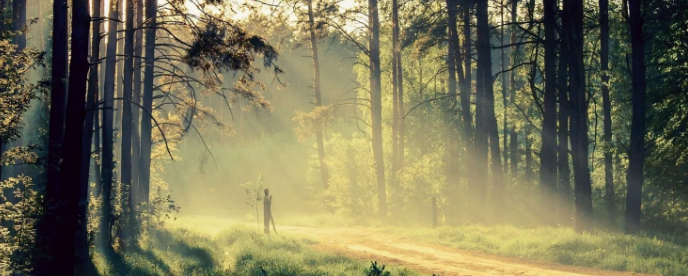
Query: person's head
[{"x": 266, "y": 192}]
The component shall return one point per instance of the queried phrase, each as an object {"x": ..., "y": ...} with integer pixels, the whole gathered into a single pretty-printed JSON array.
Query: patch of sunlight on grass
[
  {"x": 604, "y": 250},
  {"x": 239, "y": 250}
]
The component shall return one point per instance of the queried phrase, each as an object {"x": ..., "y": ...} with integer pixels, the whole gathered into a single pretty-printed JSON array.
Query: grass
[
  {"x": 603, "y": 250},
  {"x": 236, "y": 251}
]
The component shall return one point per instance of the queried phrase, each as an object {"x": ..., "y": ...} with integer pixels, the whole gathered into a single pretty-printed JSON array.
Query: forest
[{"x": 141, "y": 137}]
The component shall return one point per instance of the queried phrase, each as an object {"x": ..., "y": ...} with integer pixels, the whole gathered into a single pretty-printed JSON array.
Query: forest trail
[{"x": 369, "y": 244}]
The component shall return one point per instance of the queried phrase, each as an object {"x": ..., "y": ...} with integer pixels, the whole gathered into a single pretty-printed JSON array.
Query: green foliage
[
  {"x": 20, "y": 212},
  {"x": 237, "y": 251}
]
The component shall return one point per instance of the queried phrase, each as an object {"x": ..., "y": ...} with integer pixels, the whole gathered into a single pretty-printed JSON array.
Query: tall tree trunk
[
  {"x": 19, "y": 21},
  {"x": 58, "y": 95},
  {"x": 607, "y": 106},
  {"x": 481, "y": 124},
  {"x": 146, "y": 123},
  {"x": 107, "y": 165},
  {"x": 579, "y": 117},
  {"x": 398, "y": 97},
  {"x": 82, "y": 256},
  {"x": 636, "y": 153},
  {"x": 127, "y": 88},
  {"x": 505, "y": 89},
  {"x": 465, "y": 82},
  {"x": 324, "y": 172},
  {"x": 513, "y": 135},
  {"x": 564, "y": 171},
  {"x": 376, "y": 105},
  {"x": 452, "y": 49},
  {"x": 548, "y": 154},
  {"x": 71, "y": 171},
  {"x": 136, "y": 112},
  {"x": 488, "y": 114}
]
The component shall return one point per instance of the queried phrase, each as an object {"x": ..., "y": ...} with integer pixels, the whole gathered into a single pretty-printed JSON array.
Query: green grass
[
  {"x": 557, "y": 245},
  {"x": 237, "y": 251}
]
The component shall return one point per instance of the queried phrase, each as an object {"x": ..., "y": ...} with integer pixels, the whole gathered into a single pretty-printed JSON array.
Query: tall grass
[
  {"x": 557, "y": 245},
  {"x": 237, "y": 251}
]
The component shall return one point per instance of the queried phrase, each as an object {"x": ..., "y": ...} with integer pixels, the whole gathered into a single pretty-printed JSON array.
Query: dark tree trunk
[
  {"x": 82, "y": 256},
  {"x": 513, "y": 135},
  {"x": 548, "y": 154},
  {"x": 324, "y": 172},
  {"x": 564, "y": 171},
  {"x": 107, "y": 162},
  {"x": 58, "y": 95},
  {"x": 488, "y": 115},
  {"x": 19, "y": 21},
  {"x": 452, "y": 49},
  {"x": 136, "y": 112},
  {"x": 505, "y": 89},
  {"x": 607, "y": 106},
  {"x": 636, "y": 153},
  {"x": 376, "y": 105},
  {"x": 579, "y": 117},
  {"x": 71, "y": 171},
  {"x": 146, "y": 123},
  {"x": 466, "y": 93},
  {"x": 398, "y": 99},
  {"x": 127, "y": 88}
]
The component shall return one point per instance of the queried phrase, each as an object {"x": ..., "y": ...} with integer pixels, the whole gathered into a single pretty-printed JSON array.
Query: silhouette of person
[{"x": 267, "y": 211}]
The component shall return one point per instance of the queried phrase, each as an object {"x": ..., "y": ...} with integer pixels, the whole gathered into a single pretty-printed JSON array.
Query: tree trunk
[
  {"x": 107, "y": 165},
  {"x": 71, "y": 171},
  {"x": 82, "y": 256},
  {"x": 146, "y": 123},
  {"x": 564, "y": 171},
  {"x": 58, "y": 95},
  {"x": 488, "y": 114},
  {"x": 136, "y": 112},
  {"x": 505, "y": 89},
  {"x": 465, "y": 82},
  {"x": 376, "y": 105},
  {"x": 127, "y": 88},
  {"x": 324, "y": 172},
  {"x": 607, "y": 106},
  {"x": 513, "y": 135},
  {"x": 19, "y": 21},
  {"x": 398, "y": 98},
  {"x": 452, "y": 49},
  {"x": 636, "y": 153},
  {"x": 548, "y": 154},
  {"x": 579, "y": 117}
]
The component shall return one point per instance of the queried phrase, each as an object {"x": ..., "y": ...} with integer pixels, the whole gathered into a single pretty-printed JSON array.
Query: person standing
[{"x": 267, "y": 212}]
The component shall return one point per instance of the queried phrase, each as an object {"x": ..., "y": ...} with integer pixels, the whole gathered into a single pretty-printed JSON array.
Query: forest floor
[{"x": 374, "y": 244}]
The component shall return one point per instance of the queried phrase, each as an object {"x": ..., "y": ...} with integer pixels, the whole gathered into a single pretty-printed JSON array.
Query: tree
[
  {"x": 636, "y": 153},
  {"x": 376, "y": 104},
  {"x": 107, "y": 151},
  {"x": 548, "y": 154},
  {"x": 487, "y": 116},
  {"x": 398, "y": 124},
  {"x": 451, "y": 60},
  {"x": 579, "y": 116},
  {"x": 127, "y": 120},
  {"x": 563, "y": 169},
  {"x": 607, "y": 106},
  {"x": 318, "y": 98},
  {"x": 82, "y": 247},
  {"x": 58, "y": 94},
  {"x": 63, "y": 258},
  {"x": 147, "y": 100}
]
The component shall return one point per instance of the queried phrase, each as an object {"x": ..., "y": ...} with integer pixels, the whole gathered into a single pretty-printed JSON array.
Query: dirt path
[
  {"x": 368, "y": 245},
  {"x": 371, "y": 245}
]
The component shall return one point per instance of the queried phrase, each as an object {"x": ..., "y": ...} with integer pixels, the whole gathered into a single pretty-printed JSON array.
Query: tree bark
[
  {"x": 465, "y": 82},
  {"x": 146, "y": 123},
  {"x": 107, "y": 165},
  {"x": 513, "y": 135},
  {"x": 71, "y": 171},
  {"x": 488, "y": 114},
  {"x": 564, "y": 171},
  {"x": 324, "y": 172},
  {"x": 606, "y": 106},
  {"x": 451, "y": 61},
  {"x": 136, "y": 113},
  {"x": 636, "y": 153},
  {"x": 376, "y": 105},
  {"x": 125, "y": 155},
  {"x": 579, "y": 117},
  {"x": 82, "y": 256},
  {"x": 548, "y": 154}
]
